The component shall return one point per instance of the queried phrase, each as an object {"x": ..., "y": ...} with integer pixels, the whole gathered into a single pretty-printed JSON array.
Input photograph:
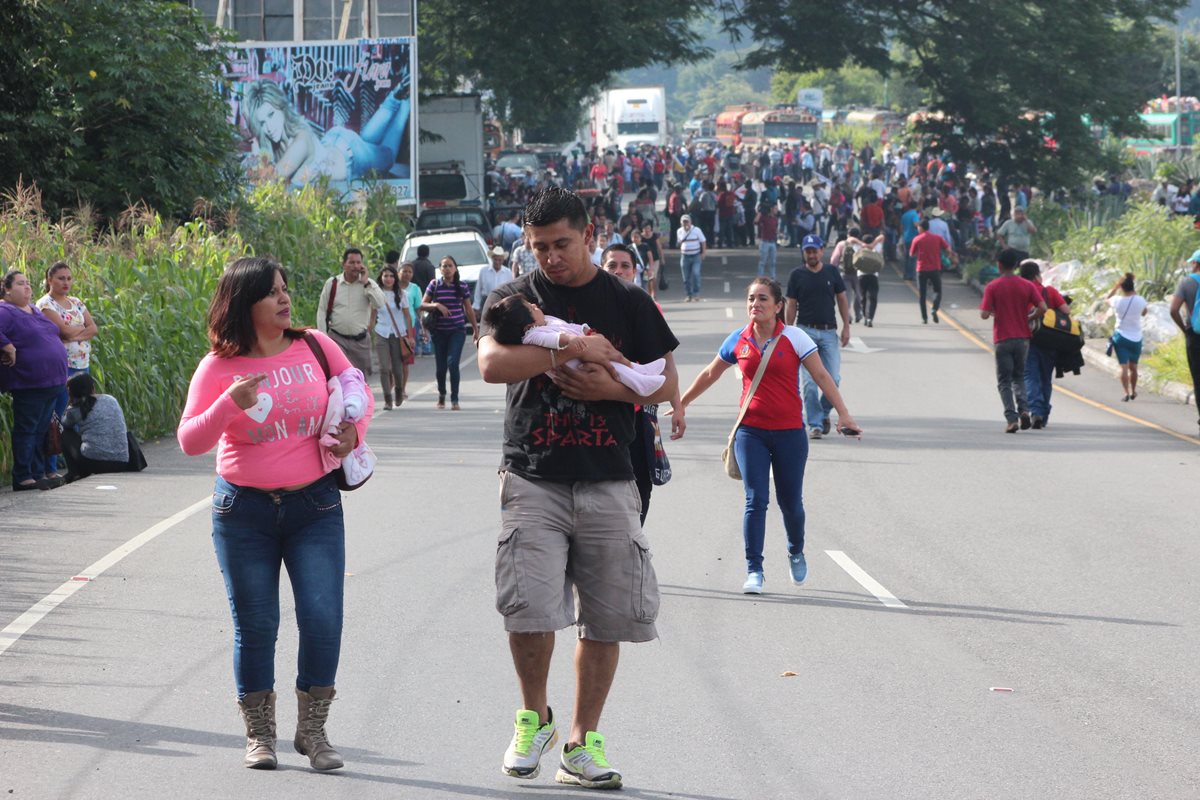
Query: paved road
[{"x": 1058, "y": 564}]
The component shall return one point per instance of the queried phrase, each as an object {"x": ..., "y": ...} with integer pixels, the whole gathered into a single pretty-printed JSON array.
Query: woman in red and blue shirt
[{"x": 771, "y": 435}]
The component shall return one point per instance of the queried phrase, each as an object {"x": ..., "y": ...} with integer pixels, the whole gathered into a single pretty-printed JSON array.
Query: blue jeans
[
  {"x": 60, "y": 408},
  {"x": 690, "y": 265},
  {"x": 829, "y": 347},
  {"x": 447, "y": 350},
  {"x": 32, "y": 409},
  {"x": 759, "y": 452},
  {"x": 1039, "y": 380},
  {"x": 767, "y": 251},
  {"x": 910, "y": 264},
  {"x": 254, "y": 532}
]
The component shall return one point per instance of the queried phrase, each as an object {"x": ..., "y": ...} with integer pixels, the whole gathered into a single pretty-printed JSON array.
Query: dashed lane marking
[{"x": 866, "y": 581}]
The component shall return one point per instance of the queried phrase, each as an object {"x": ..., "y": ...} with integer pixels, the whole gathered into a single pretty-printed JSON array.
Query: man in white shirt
[
  {"x": 489, "y": 279},
  {"x": 345, "y": 308},
  {"x": 692, "y": 245},
  {"x": 937, "y": 225}
]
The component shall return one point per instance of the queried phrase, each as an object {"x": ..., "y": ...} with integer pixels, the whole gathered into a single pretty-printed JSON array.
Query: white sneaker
[
  {"x": 529, "y": 743},
  {"x": 753, "y": 584},
  {"x": 587, "y": 766}
]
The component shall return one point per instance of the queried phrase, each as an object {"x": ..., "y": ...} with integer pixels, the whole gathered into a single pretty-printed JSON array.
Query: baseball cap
[
  {"x": 1195, "y": 257},
  {"x": 812, "y": 241}
]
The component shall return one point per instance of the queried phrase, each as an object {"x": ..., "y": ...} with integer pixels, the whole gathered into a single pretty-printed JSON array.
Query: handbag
[
  {"x": 656, "y": 454},
  {"x": 405, "y": 347},
  {"x": 52, "y": 444},
  {"x": 339, "y": 474},
  {"x": 729, "y": 459},
  {"x": 1112, "y": 340}
]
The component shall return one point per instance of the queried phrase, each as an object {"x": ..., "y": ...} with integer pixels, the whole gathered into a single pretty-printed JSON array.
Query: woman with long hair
[
  {"x": 771, "y": 438},
  {"x": 33, "y": 369},
  {"x": 95, "y": 439},
  {"x": 76, "y": 327},
  {"x": 260, "y": 398},
  {"x": 451, "y": 299},
  {"x": 341, "y": 154},
  {"x": 1126, "y": 340},
  {"x": 392, "y": 324}
]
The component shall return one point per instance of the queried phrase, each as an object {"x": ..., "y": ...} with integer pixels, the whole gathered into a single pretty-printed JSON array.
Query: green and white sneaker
[
  {"x": 529, "y": 743},
  {"x": 587, "y": 766}
]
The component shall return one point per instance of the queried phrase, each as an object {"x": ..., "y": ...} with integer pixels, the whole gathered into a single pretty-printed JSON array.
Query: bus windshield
[
  {"x": 632, "y": 128},
  {"x": 790, "y": 130}
]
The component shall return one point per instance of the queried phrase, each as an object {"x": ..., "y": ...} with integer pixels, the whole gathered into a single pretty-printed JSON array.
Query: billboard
[
  {"x": 339, "y": 110},
  {"x": 811, "y": 100}
]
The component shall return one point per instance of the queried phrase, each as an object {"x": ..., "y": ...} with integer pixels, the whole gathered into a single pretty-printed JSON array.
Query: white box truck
[
  {"x": 624, "y": 118},
  {"x": 450, "y": 151}
]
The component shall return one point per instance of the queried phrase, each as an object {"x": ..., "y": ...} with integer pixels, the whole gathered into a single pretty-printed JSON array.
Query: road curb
[{"x": 1094, "y": 355}]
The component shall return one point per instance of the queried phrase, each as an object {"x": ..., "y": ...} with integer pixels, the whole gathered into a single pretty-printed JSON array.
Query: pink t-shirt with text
[{"x": 274, "y": 443}]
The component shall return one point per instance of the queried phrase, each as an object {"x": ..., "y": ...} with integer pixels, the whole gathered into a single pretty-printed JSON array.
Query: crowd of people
[
  {"x": 588, "y": 357},
  {"x": 62, "y": 430}
]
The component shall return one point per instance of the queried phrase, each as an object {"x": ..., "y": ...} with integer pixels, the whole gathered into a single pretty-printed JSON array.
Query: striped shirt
[
  {"x": 452, "y": 296},
  {"x": 691, "y": 240}
]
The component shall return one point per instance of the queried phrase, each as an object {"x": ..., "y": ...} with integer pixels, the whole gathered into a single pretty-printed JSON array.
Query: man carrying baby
[{"x": 569, "y": 505}]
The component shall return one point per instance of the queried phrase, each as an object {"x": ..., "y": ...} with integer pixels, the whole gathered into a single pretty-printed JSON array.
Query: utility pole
[{"x": 1178, "y": 89}]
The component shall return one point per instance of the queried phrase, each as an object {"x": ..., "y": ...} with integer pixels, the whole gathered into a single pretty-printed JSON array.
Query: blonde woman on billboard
[{"x": 342, "y": 154}]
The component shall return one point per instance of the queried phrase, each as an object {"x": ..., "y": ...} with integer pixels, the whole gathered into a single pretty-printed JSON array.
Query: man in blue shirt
[
  {"x": 814, "y": 291},
  {"x": 909, "y": 221}
]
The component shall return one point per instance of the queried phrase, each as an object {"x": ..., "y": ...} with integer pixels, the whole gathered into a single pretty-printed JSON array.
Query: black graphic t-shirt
[{"x": 547, "y": 435}]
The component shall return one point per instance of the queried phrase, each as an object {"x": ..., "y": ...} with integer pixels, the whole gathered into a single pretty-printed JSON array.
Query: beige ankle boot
[
  {"x": 258, "y": 714},
  {"x": 311, "y": 741}
]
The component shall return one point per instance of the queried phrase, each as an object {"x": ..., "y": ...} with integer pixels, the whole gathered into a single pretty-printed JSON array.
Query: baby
[
  {"x": 515, "y": 320},
  {"x": 347, "y": 402}
]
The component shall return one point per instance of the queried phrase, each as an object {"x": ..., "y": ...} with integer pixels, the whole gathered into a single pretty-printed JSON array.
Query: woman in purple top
[
  {"x": 451, "y": 298},
  {"x": 33, "y": 369}
]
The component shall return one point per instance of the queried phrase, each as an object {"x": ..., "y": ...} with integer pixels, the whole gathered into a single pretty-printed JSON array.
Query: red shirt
[
  {"x": 872, "y": 215},
  {"x": 1009, "y": 298},
  {"x": 928, "y": 247},
  {"x": 776, "y": 403}
]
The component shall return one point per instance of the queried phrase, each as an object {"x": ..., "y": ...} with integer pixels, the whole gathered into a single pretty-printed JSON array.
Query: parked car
[
  {"x": 519, "y": 164},
  {"x": 465, "y": 245},
  {"x": 435, "y": 219}
]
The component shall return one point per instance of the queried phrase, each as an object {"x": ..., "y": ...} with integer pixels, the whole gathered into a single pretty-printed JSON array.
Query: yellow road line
[{"x": 974, "y": 339}]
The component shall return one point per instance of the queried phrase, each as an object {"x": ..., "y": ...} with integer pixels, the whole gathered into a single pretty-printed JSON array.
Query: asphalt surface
[{"x": 1057, "y": 564}]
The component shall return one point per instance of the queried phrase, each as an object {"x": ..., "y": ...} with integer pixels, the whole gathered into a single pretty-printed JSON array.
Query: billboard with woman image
[{"x": 339, "y": 110}]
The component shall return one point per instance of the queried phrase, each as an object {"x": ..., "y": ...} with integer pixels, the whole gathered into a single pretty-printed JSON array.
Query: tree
[
  {"x": 113, "y": 102},
  {"x": 542, "y": 60},
  {"x": 1013, "y": 81}
]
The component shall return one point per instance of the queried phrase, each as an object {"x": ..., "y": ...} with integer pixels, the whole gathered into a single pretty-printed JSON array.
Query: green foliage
[
  {"x": 1139, "y": 238},
  {"x": 856, "y": 135},
  {"x": 541, "y": 59},
  {"x": 851, "y": 85},
  {"x": 1169, "y": 362},
  {"x": 112, "y": 102},
  {"x": 148, "y": 280},
  {"x": 986, "y": 66}
]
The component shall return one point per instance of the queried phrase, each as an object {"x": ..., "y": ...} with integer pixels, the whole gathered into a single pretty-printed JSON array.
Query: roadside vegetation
[{"x": 147, "y": 280}]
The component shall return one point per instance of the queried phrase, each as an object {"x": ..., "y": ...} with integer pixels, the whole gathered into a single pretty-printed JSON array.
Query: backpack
[
  {"x": 1195, "y": 320},
  {"x": 868, "y": 262}
]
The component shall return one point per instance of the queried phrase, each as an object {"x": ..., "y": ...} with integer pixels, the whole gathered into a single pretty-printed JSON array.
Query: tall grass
[{"x": 148, "y": 281}]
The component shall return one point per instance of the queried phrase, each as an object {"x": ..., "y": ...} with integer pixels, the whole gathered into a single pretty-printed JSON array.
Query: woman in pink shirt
[{"x": 260, "y": 397}]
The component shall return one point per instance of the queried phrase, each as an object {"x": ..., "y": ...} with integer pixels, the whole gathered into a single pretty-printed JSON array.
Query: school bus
[
  {"x": 729, "y": 123},
  {"x": 791, "y": 127}
]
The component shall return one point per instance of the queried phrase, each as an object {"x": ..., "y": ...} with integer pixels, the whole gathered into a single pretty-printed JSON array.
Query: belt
[
  {"x": 818, "y": 326},
  {"x": 357, "y": 338}
]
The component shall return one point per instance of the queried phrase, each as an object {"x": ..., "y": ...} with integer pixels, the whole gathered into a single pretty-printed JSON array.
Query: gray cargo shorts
[{"x": 559, "y": 541}]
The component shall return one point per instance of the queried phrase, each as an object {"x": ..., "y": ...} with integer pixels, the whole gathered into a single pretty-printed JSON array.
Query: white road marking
[
  {"x": 866, "y": 581},
  {"x": 857, "y": 345},
  {"x": 724, "y": 260},
  {"x": 21, "y": 625},
  {"x": 728, "y": 312},
  {"x": 726, "y": 287}
]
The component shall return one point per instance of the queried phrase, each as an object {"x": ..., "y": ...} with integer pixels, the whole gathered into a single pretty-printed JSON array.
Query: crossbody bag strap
[
  {"x": 402, "y": 337},
  {"x": 762, "y": 369},
  {"x": 318, "y": 353},
  {"x": 329, "y": 306}
]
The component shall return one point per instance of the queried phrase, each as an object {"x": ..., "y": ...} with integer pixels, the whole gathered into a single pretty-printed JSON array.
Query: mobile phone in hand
[{"x": 848, "y": 431}]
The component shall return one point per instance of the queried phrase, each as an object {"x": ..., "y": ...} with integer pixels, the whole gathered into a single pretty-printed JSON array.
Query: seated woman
[{"x": 94, "y": 437}]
